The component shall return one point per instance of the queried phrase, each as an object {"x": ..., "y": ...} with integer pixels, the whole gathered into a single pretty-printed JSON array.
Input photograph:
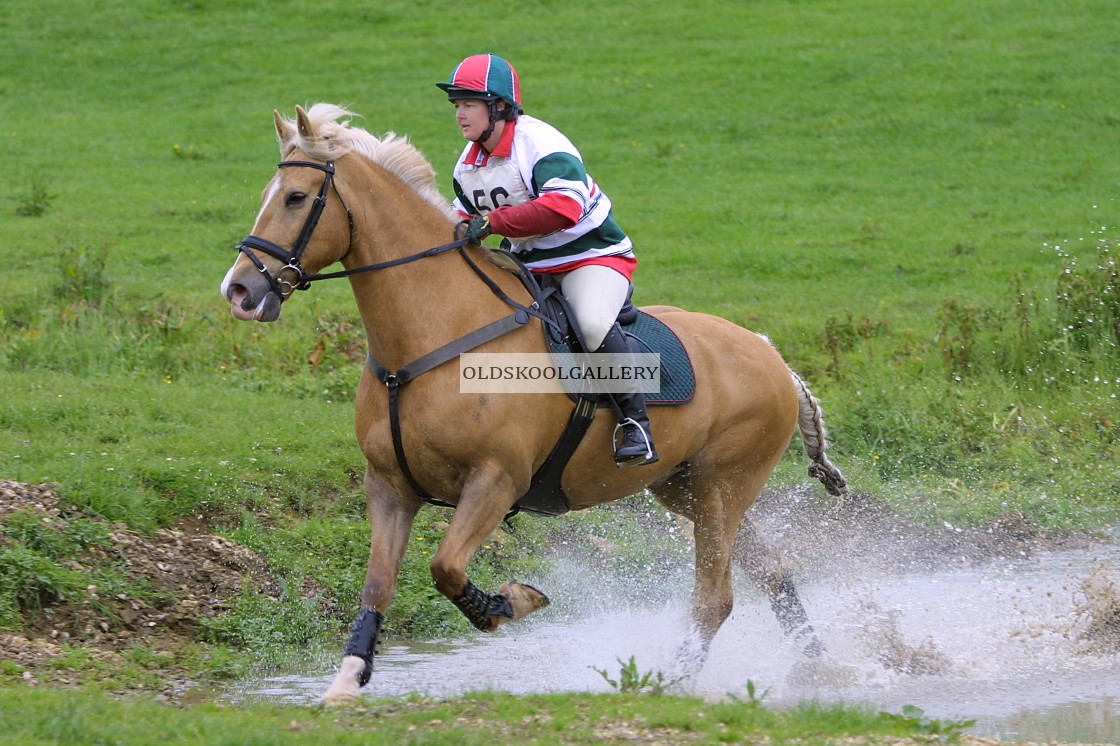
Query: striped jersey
[{"x": 532, "y": 160}]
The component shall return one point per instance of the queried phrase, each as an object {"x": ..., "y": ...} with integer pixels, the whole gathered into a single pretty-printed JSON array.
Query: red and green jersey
[{"x": 535, "y": 162}]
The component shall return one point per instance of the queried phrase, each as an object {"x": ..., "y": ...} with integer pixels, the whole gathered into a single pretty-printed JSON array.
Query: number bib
[{"x": 494, "y": 186}]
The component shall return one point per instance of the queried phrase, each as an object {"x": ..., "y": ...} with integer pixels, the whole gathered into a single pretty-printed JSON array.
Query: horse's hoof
[
  {"x": 813, "y": 648},
  {"x": 346, "y": 689},
  {"x": 339, "y": 699},
  {"x": 690, "y": 659},
  {"x": 525, "y": 599}
]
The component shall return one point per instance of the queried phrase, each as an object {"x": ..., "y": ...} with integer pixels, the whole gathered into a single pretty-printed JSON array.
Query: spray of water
[
  {"x": 998, "y": 624},
  {"x": 1098, "y": 613}
]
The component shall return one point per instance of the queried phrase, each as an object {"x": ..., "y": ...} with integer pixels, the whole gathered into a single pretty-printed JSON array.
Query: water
[{"x": 998, "y": 642}]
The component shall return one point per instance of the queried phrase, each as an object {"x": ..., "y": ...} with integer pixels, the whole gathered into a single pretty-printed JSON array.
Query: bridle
[{"x": 291, "y": 257}]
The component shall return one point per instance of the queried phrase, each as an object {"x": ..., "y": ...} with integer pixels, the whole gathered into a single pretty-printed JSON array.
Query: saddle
[{"x": 678, "y": 380}]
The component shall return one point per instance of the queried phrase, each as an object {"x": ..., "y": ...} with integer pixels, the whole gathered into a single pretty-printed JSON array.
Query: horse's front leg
[
  {"x": 391, "y": 516},
  {"x": 487, "y": 497}
]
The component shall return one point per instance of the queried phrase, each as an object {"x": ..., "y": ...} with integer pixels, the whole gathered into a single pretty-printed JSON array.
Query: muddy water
[{"x": 1000, "y": 642}]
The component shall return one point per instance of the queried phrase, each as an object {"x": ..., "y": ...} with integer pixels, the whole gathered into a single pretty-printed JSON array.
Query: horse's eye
[{"x": 295, "y": 199}]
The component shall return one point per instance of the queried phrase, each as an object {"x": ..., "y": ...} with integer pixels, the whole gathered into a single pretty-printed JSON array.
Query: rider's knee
[{"x": 594, "y": 330}]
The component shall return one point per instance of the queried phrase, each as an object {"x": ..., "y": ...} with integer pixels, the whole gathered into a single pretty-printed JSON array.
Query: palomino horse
[{"x": 344, "y": 195}]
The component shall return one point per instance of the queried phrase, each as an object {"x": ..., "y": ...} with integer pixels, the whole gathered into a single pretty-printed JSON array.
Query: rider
[{"x": 522, "y": 179}]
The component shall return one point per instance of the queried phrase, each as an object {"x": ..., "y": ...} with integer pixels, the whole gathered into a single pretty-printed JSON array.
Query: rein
[{"x": 457, "y": 244}]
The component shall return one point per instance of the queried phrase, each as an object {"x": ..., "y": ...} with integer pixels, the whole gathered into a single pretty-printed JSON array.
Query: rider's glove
[{"x": 478, "y": 229}]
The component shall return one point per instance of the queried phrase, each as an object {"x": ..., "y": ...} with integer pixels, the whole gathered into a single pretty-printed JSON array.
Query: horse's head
[{"x": 303, "y": 224}]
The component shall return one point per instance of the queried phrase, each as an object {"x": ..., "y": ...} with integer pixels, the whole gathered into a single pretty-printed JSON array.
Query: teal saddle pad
[{"x": 678, "y": 379}]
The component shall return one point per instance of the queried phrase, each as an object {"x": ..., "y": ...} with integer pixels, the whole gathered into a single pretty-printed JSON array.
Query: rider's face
[{"x": 473, "y": 117}]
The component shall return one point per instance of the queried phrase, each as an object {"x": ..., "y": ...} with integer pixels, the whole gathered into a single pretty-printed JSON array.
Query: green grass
[
  {"x": 916, "y": 201},
  {"x": 28, "y": 717},
  {"x": 145, "y": 450}
]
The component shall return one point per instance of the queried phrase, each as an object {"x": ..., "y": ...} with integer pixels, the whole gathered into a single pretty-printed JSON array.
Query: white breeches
[{"x": 596, "y": 294}]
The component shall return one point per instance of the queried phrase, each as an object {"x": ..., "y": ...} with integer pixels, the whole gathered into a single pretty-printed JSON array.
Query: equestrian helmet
[{"x": 484, "y": 76}]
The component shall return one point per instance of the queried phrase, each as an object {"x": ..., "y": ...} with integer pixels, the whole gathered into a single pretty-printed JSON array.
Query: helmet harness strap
[{"x": 495, "y": 115}]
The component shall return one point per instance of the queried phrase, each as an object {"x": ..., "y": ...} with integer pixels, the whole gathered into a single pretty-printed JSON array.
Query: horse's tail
[{"x": 811, "y": 423}]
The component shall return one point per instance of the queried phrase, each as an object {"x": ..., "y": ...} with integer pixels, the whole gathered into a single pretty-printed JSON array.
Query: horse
[{"x": 342, "y": 194}]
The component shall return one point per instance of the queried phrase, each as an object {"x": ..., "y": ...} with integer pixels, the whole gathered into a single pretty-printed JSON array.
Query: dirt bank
[{"x": 186, "y": 577}]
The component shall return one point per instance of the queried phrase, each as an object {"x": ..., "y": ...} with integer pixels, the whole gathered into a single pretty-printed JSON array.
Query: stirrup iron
[{"x": 648, "y": 457}]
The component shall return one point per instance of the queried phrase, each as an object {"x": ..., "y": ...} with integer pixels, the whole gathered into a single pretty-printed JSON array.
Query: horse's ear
[
  {"x": 283, "y": 130},
  {"x": 303, "y": 122}
]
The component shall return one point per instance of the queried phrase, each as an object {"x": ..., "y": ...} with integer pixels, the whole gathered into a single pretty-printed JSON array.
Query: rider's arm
[{"x": 539, "y": 217}]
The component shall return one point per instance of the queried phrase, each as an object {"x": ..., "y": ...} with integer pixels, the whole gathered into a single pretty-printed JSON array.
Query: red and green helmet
[{"x": 484, "y": 76}]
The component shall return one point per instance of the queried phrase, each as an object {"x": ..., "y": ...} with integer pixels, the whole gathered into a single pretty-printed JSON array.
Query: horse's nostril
[{"x": 238, "y": 293}]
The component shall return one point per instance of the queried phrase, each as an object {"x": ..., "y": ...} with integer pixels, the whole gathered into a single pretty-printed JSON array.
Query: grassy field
[
  {"x": 481, "y": 718},
  {"x": 916, "y": 204},
  {"x": 916, "y": 201}
]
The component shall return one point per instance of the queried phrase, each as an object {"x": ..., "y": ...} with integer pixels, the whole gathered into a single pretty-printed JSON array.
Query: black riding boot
[{"x": 636, "y": 446}]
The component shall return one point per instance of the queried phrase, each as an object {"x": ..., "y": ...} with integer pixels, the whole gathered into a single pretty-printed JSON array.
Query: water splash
[{"x": 1010, "y": 640}]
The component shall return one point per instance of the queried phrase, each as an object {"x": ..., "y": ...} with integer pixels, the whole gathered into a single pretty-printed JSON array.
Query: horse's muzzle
[{"x": 247, "y": 305}]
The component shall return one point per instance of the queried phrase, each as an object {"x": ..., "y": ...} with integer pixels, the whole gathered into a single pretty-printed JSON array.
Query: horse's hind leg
[
  {"x": 766, "y": 569},
  {"x": 716, "y": 499},
  {"x": 716, "y": 506}
]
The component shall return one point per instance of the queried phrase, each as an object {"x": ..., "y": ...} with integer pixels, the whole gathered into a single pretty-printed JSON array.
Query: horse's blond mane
[{"x": 333, "y": 137}]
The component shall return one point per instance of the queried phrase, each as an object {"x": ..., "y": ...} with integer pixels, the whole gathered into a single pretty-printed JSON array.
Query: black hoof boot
[{"x": 364, "y": 635}]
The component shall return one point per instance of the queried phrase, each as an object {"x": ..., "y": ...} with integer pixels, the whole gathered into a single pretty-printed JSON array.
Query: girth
[{"x": 545, "y": 494}]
